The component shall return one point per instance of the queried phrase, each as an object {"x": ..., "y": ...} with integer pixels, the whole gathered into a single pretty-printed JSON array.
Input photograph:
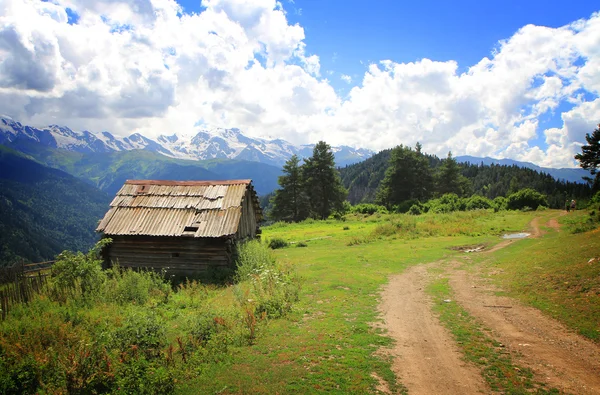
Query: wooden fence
[
  {"x": 19, "y": 283},
  {"x": 30, "y": 268}
]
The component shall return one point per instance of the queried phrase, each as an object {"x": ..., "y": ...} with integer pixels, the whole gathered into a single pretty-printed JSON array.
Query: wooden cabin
[{"x": 184, "y": 227}]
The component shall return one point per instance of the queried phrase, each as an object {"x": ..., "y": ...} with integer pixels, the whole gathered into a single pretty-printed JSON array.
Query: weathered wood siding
[
  {"x": 248, "y": 226},
  {"x": 176, "y": 254}
]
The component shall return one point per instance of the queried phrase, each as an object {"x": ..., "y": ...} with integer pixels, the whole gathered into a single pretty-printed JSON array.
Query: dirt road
[{"x": 427, "y": 361}]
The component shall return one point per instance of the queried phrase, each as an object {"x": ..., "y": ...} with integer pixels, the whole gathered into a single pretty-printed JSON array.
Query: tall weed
[
  {"x": 274, "y": 288},
  {"x": 252, "y": 258},
  {"x": 143, "y": 331},
  {"x": 125, "y": 286}
]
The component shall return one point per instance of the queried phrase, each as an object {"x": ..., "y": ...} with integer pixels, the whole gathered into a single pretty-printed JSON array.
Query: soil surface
[{"x": 427, "y": 360}]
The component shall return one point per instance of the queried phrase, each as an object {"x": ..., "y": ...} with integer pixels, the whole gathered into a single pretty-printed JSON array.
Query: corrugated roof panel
[
  {"x": 234, "y": 195},
  {"x": 107, "y": 217},
  {"x": 216, "y": 223},
  {"x": 172, "y": 222},
  {"x": 127, "y": 190},
  {"x": 211, "y": 193},
  {"x": 144, "y": 221},
  {"x": 165, "y": 208}
]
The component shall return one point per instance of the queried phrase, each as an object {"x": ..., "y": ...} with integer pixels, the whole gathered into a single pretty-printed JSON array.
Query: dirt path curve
[
  {"x": 426, "y": 360},
  {"x": 553, "y": 222},
  {"x": 559, "y": 357}
]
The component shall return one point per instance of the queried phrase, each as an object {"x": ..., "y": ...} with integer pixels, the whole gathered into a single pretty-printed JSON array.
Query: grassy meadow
[{"x": 298, "y": 319}]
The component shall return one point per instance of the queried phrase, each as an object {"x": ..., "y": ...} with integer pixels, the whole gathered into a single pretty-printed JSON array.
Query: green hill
[
  {"x": 362, "y": 180},
  {"x": 108, "y": 171},
  {"x": 44, "y": 211}
]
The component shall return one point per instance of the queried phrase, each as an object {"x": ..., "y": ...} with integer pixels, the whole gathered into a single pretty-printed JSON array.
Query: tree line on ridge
[{"x": 400, "y": 177}]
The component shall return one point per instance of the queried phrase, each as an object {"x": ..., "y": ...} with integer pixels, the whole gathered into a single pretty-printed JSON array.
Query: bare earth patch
[
  {"x": 553, "y": 222},
  {"x": 426, "y": 360},
  {"x": 559, "y": 357}
]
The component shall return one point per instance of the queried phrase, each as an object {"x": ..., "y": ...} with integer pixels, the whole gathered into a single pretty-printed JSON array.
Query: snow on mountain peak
[{"x": 205, "y": 144}]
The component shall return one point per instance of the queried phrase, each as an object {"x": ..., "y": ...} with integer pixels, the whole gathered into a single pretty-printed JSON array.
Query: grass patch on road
[{"x": 480, "y": 348}]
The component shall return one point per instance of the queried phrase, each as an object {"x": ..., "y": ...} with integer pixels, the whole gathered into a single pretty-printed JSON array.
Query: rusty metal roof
[{"x": 178, "y": 208}]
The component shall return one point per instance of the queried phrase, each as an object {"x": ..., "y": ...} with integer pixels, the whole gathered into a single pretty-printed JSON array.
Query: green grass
[
  {"x": 480, "y": 348},
  {"x": 327, "y": 341},
  {"x": 553, "y": 273}
]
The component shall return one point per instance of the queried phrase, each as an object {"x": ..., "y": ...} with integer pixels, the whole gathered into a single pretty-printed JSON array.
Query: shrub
[
  {"x": 340, "y": 212},
  {"x": 72, "y": 270},
  {"x": 368, "y": 208},
  {"x": 301, "y": 244},
  {"x": 277, "y": 243},
  {"x": 447, "y": 203},
  {"x": 275, "y": 292},
  {"x": 129, "y": 286},
  {"x": 500, "y": 203},
  {"x": 595, "y": 201},
  {"x": 274, "y": 288},
  {"x": 405, "y": 206},
  {"x": 477, "y": 202},
  {"x": 139, "y": 376},
  {"x": 415, "y": 210},
  {"x": 141, "y": 330},
  {"x": 203, "y": 326},
  {"x": 526, "y": 198}
]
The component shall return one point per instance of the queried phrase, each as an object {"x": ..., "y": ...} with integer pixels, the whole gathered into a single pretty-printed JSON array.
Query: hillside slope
[
  {"x": 44, "y": 211},
  {"x": 564, "y": 174},
  {"x": 489, "y": 180},
  {"x": 108, "y": 171}
]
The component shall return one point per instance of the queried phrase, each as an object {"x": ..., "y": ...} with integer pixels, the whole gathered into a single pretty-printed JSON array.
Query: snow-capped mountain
[{"x": 206, "y": 144}]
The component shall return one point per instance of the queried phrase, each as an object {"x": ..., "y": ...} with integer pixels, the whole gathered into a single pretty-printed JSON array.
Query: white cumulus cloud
[{"x": 144, "y": 66}]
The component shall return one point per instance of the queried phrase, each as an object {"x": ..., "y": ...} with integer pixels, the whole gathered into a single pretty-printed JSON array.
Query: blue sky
[
  {"x": 349, "y": 34},
  {"x": 510, "y": 79}
]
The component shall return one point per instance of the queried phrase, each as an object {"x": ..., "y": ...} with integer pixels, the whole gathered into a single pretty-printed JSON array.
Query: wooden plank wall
[
  {"x": 248, "y": 226},
  {"x": 174, "y": 254}
]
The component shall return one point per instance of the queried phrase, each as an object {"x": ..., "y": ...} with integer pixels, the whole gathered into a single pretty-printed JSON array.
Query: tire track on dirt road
[
  {"x": 559, "y": 357},
  {"x": 427, "y": 360}
]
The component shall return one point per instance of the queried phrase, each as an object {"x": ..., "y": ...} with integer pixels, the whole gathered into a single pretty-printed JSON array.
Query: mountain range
[
  {"x": 216, "y": 143},
  {"x": 207, "y": 144}
]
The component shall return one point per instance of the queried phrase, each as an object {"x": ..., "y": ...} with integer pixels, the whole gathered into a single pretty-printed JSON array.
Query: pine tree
[
  {"x": 589, "y": 158},
  {"x": 323, "y": 184},
  {"x": 290, "y": 203},
  {"x": 449, "y": 178},
  {"x": 407, "y": 177}
]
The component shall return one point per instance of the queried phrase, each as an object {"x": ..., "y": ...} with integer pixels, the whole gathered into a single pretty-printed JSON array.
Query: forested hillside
[
  {"x": 363, "y": 180},
  {"x": 108, "y": 171},
  {"x": 44, "y": 211}
]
